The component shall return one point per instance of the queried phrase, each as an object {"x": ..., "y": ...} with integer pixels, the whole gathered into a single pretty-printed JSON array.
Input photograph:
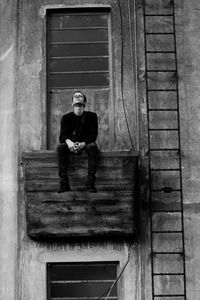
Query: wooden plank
[
  {"x": 79, "y": 214},
  {"x": 80, "y": 232},
  {"x": 52, "y": 185},
  {"x": 81, "y": 162},
  {"x": 55, "y": 214},
  {"x": 46, "y": 174},
  {"x": 109, "y": 212},
  {"x": 84, "y": 198},
  {"x": 161, "y": 24},
  {"x": 80, "y": 174},
  {"x": 43, "y": 154},
  {"x": 41, "y": 172}
]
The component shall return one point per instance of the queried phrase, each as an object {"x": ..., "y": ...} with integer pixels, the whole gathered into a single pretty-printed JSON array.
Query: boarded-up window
[
  {"x": 81, "y": 281},
  {"x": 77, "y": 43}
]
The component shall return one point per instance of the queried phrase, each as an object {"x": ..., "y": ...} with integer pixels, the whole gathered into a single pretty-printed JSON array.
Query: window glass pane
[
  {"x": 80, "y": 289},
  {"x": 78, "y": 64},
  {"x": 86, "y": 272},
  {"x": 92, "y": 280},
  {"x": 79, "y": 50},
  {"x": 78, "y": 79},
  {"x": 78, "y": 34}
]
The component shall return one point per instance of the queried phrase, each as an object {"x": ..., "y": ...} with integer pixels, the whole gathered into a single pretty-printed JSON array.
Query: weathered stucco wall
[
  {"x": 189, "y": 73},
  {"x": 33, "y": 255},
  {"x": 8, "y": 150},
  {"x": 31, "y": 107}
]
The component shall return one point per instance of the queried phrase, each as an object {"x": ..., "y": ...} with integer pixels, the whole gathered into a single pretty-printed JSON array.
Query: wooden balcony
[{"x": 111, "y": 212}]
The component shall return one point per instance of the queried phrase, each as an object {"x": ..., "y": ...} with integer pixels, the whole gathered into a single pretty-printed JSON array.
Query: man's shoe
[{"x": 64, "y": 188}]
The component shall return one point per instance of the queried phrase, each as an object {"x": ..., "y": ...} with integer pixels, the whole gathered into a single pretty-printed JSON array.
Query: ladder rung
[
  {"x": 167, "y": 231},
  {"x": 161, "y": 190},
  {"x": 164, "y": 33},
  {"x": 163, "y": 109},
  {"x": 163, "y": 129},
  {"x": 148, "y": 51},
  {"x": 163, "y": 170},
  {"x": 159, "y": 15},
  {"x": 170, "y": 274},
  {"x": 164, "y": 149},
  {"x": 166, "y": 253},
  {"x": 162, "y": 90},
  {"x": 158, "y": 71},
  {"x": 169, "y": 295},
  {"x": 166, "y": 211}
]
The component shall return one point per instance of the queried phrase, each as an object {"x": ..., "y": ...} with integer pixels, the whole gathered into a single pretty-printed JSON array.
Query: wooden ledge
[
  {"x": 52, "y": 154},
  {"x": 110, "y": 212}
]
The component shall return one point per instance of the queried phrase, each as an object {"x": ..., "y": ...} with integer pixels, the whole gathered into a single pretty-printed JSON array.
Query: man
[{"x": 78, "y": 132}]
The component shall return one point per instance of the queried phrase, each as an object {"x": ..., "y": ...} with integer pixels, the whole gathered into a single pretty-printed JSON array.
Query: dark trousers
[{"x": 63, "y": 161}]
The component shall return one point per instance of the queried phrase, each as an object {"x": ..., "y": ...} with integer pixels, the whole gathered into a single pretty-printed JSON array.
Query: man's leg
[
  {"x": 92, "y": 151},
  {"x": 63, "y": 157}
]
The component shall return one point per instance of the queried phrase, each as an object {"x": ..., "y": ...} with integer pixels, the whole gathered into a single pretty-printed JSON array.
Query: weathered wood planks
[{"x": 111, "y": 212}]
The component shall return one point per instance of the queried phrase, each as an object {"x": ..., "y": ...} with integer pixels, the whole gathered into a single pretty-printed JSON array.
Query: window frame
[
  {"x": 103, "y": 9},
  {"x": 111, "y": 71},
  {"x": 83, "y": 263}
]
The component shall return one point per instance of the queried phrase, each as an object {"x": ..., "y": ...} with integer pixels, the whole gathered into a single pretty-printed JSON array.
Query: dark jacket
[{"x": 82, "y": 128}]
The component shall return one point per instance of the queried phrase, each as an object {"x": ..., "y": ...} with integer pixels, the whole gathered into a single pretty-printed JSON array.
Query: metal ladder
[{"x": 165, "y": 173}]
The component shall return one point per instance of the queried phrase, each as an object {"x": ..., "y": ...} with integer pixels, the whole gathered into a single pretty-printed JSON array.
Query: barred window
[
  {"x": 77, "y": 48},
  {"x": 81, "y": 281}
]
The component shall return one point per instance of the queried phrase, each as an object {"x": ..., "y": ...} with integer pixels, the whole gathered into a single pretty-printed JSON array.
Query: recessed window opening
[
  {"x": 77, "y": 48},
  {"x": 81, "y": 280}
]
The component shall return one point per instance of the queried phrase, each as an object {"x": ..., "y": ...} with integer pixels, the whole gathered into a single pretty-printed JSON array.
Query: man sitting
[{"x": 78, "y": 132}]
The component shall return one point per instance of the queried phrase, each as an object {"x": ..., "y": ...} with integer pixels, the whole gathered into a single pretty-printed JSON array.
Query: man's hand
[
  {"x": 79, "y": 146},
  {"x": 71, "y": 146},
  {"x": 75, "y": 147}
]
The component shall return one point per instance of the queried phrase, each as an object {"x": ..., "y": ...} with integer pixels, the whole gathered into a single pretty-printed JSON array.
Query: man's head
[{"x": 78, "y": 102}]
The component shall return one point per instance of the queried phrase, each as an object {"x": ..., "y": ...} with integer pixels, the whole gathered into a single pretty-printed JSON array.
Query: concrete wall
[
  {"x": 189, "y": 71},
  {"x": 27, "y": 274},
  {"x": 8, "y": 150},
  {"x": 33, "y": 255}
]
